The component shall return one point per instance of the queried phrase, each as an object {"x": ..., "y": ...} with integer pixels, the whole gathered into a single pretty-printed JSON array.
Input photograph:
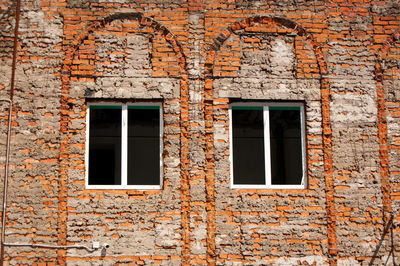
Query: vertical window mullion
[
  {"x": 124, "y": 146},
  {"x": 231, "y": 144},
  {"x": 161, "y": 143},
  {"x": 87, "y": 147},
  {"x": 267, "y": 151},
  {"x": 303, "y": 144}
]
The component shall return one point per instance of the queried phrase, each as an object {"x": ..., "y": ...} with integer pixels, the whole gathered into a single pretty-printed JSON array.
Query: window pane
[
  {"x": 143, "y": 145},
  {"x": 105, "y": 145},
  {"x": 285, "y": 145},
  {"x": 248, "y": 146}
]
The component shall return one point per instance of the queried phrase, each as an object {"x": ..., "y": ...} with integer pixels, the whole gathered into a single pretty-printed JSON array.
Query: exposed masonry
[{"x": 340, "y": 58}]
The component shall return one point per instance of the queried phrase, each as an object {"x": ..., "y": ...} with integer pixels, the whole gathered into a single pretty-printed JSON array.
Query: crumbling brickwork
[{"x": 196, "y": 58}]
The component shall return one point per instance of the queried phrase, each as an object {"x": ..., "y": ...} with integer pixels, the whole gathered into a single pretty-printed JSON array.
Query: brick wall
[{"x": 341, "y": 58}]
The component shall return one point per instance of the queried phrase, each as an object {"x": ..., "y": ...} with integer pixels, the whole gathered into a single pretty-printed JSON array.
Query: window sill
[
  {"x": 113, "y": 187},
  {"x": 272, "y": 187}
]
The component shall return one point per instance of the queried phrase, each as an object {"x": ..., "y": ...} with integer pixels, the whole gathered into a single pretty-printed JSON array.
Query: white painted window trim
[
  {"x": 124, "y": 147},
  {"x": 267, "y": 153}
]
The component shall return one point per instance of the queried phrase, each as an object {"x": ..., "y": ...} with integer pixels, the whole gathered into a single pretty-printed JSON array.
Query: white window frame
[
  {"x": 124, "y": 147},
  {"x": 267, "y": 153}
]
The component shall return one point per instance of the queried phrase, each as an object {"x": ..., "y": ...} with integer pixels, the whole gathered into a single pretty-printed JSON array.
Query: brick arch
[
  {"x": 214, "y": 47},
  {"x": 251, "y": 21},
  {"x": 382, "y": 126},
  {"x": 70, "y": 51},
  {"x": 144, "y": 21},
  {"x": 390, "y": 41}
]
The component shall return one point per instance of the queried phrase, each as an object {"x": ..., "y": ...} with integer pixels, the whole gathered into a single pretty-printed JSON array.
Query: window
[
  {"x": 267, "y": 145},
  {"x": 123, "y": 146}
]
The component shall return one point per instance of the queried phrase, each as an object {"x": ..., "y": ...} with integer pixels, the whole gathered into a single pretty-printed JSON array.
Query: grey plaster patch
[{"x": 353, "y": 108}]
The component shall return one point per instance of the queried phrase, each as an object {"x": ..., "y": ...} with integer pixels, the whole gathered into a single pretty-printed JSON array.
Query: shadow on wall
[{"x": 389, "y": 228}]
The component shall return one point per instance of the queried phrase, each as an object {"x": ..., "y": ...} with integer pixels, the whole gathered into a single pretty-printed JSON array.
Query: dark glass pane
[
  {"x": 285, "y": 141},
  {"x": 248, "y": 146},
  {"x": 105, "y": 146},
  {"x": 143, "y": 146}
]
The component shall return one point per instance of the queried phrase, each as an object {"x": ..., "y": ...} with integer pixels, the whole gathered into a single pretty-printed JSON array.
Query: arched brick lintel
[
  {"x": 382, "y": 126},
  {"x": 69, "y": 52},
  {"x": 214, "y": 47},
  {"x": 252, "y": 21},
  {"x": 144, "y": 21},
  {"x": 384, "y": 50}
]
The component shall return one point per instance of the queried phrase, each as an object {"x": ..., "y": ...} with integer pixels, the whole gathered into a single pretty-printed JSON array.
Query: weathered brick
[{"x": 341, "y": 58}]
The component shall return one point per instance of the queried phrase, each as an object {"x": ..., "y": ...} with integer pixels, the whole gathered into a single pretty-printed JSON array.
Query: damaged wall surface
[{"x": 338, "y": 62}]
